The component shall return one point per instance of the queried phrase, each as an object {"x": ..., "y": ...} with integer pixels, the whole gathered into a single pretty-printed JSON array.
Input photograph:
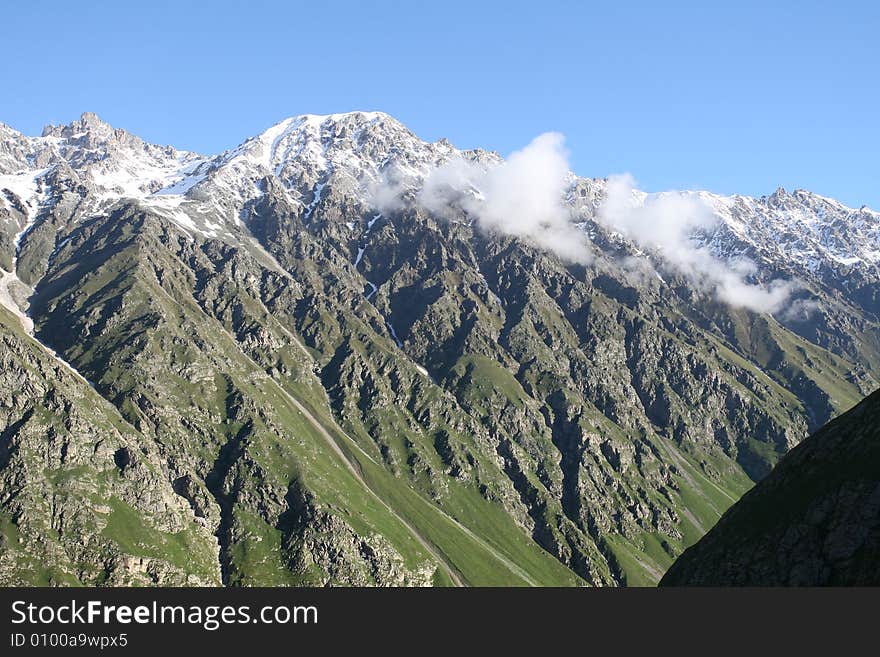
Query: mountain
[
  {"x": 81, "y": 500},
  {"x": 329, "y": 382},
  {"x": 813, "y": 521}
]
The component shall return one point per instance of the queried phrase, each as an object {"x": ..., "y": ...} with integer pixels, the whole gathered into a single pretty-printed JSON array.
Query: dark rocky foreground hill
[{"x": 813, "y": 521}]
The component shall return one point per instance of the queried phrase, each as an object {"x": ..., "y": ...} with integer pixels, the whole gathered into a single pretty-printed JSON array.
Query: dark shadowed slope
[{"x": 815, "y": 520}]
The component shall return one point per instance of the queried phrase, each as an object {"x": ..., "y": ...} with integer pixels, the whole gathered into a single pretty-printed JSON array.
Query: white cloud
[
  {"x": 800, "y": 310},
  {"x": 666, "y": 222},
  {"x": 522, "y": 196}
]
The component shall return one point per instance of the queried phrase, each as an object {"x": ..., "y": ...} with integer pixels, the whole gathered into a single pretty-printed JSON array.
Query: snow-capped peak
[
  {"x": 115, "y": 162},
  {"x": 354, "y": 142},
  {"x": 808, "y": 232},
  {"x": 350, "y": 153}
]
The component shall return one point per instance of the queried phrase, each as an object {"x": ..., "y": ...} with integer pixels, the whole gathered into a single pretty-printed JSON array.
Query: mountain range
[{"x": 289, "y": 364}]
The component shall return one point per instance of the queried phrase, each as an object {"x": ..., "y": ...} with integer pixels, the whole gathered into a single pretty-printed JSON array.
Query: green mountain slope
[
  {"x": 550, "y": 440},
  {"x": 181, "y": 343},
  {"x": 85, "y": 500}
]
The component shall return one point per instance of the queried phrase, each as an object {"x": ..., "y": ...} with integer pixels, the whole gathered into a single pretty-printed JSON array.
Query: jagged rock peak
[{"x": 87, "y": 123}]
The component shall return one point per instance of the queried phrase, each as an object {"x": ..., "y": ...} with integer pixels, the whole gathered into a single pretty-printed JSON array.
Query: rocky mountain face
[
  {"x": 82, "y": 499},
  {"x": 255, "y": 360},
  {"x": 813, "y": 521}
]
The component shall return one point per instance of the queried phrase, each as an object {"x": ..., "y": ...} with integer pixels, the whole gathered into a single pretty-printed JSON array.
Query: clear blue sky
[{"x": 741, "y": 98}]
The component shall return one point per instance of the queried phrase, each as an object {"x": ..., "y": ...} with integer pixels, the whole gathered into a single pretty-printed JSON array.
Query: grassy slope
[
  {"x": 92, "y": 485},
  {"x": 300, "y": 451}
]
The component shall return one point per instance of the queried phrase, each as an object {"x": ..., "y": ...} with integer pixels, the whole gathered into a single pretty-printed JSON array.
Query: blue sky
[{"x": 740, "y": 98}]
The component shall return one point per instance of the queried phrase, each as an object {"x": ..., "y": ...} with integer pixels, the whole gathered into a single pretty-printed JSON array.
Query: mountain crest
[{"x": 87, "y": 122}]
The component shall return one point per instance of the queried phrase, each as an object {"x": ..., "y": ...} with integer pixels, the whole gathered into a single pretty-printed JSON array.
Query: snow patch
[
  {"x": 319, "y": 188},
  {"x": 7, "y": 300},
  {"x": 393, "y": 334}
]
